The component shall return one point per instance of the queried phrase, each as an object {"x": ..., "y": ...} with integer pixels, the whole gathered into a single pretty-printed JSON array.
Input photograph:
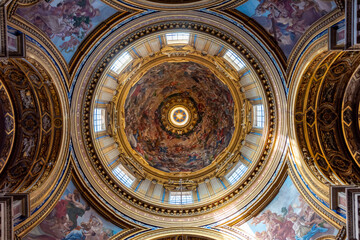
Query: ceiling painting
[
  {"x": 168, "y": 91},
  {"x": 190, "y": 137},
  {"x": 67, "y": 22},
  {"x": 286, "y": 20},
  {"x": 73, "y": 218},
  {"x": 288, "y": 216}
]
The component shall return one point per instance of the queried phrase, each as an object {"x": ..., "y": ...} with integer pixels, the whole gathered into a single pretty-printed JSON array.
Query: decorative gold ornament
[{"x": 179, "y": 115}]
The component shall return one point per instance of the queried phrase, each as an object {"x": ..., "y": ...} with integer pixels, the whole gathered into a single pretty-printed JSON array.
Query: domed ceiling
[
  {"x": 171, "y": 118},
  {"x": 179, "y": 117}
]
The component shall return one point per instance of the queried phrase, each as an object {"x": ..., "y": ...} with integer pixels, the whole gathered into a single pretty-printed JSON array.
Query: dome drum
[{"x": 216, "y": 174}]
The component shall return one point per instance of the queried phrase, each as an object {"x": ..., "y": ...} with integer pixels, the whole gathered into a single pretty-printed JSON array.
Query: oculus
[{"x": 179, "y": 114}]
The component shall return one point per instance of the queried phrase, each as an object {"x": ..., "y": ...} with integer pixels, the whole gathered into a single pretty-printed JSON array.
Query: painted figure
[
  {"x": 72, "y": 218},
  {"x": 286, "y": 20},
  {"x": 291, "y": 219}
]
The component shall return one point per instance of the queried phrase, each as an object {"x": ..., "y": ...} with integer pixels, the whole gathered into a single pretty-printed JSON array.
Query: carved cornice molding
[
  {"x": 178, "y": 231},
  {"x": 173, "y": 5}
]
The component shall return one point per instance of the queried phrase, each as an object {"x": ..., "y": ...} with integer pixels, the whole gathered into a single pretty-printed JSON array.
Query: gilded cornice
[
  {"x": 119, "y": 6},
  {"x": 310, "y": 59},
  {"x": 178, "y": 231},
  {"x": 172, "y": 5},
  {"x": 44, "y": 64},
  {"x": 25, "y": 3}
]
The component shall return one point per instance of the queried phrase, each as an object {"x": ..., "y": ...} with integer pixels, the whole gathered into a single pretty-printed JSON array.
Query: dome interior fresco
[
  {"x": 169, "y": 151},
  {"x": 192, "y": 119}
]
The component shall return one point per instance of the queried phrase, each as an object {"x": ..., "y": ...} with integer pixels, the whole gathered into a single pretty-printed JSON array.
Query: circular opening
[{"x": 179, "y": 116}]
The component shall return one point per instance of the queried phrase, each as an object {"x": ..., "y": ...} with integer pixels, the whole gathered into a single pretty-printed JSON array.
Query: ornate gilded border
[
  {"x": 44, "y": 198},
  {"x": 170, "y": 6},
  {"x": 173, "y": 231}
]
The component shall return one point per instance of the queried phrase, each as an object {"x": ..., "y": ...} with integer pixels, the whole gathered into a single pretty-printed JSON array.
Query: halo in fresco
[{"x": 179, "y": 153}]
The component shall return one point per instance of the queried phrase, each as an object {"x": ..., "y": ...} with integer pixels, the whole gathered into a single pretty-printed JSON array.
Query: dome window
[
  {"x": 123, "y": 175},
  {"x": 259, "y": 116},
  {"x": 181, "y": 197},
  {"x": 177, "y": 38},
  {"x": 99, "y": 119},
  {"x": 234, "y": 176},
  {"x": 121, "y": 62},
  {"x": 234, "y": 60}
]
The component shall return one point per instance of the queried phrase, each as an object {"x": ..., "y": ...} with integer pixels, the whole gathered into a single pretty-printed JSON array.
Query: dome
[{"x": 189, "y": 124}]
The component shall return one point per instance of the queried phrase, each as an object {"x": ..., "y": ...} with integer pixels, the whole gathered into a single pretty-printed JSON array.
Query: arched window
[
  {"x": 99, "y": 119},
  {"x": 234, "y": 176},
  {"x": 124, "y": 176},
  {"x": 259, "y": 116},
  {"x": 177, "y": 38},
  {"x": 181, "y": 197},
  {"x": 234, "y": 60},
  {"x": 121, "y": 62}
]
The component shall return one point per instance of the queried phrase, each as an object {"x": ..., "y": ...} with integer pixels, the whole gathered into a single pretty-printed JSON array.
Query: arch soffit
[{"x": 48, "y": 191}]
